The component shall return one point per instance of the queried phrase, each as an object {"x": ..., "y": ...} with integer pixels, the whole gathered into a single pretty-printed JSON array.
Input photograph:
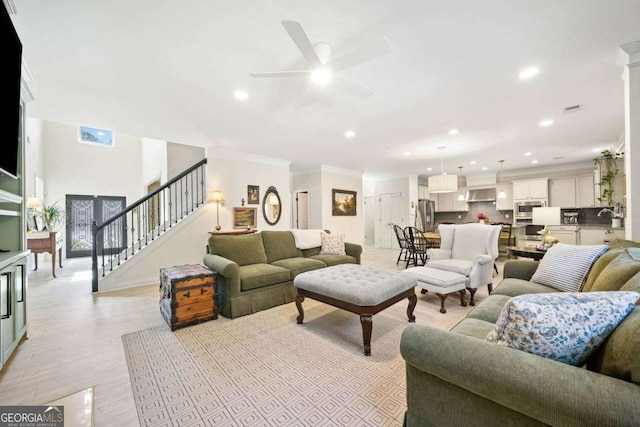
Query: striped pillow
[{"x": 565, "y": 267}]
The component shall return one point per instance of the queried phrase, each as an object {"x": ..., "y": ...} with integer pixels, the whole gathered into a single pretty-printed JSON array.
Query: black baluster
[{"x": 94, "y": 257}]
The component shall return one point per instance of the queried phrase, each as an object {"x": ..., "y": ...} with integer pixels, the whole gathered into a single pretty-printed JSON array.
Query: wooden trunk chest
[{"x": 187, "y": 295}]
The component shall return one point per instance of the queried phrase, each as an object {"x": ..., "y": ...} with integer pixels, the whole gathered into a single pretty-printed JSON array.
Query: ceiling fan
[{"x": 324, "y": 70}]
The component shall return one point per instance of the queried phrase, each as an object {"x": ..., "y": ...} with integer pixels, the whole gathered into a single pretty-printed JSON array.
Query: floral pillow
[
  {"x": 566, "y": 327},
  {"x": 332, "y": 244}
]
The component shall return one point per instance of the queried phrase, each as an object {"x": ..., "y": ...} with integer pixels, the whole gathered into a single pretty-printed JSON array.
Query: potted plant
[
  {"x": 51, "y": 215},
  {"x": 606, "y": 163}
]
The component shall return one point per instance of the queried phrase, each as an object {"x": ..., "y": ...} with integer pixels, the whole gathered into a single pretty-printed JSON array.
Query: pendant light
[
  {"x": 443, "y": 183},
  {"x": 501, "y": 194},
  {"x": 460, "y": 195}
]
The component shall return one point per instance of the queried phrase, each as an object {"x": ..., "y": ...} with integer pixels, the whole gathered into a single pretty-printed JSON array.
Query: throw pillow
[
  {"x": 332, "y": 244},
  {"x": 566, "y": 327},
  {"x": 565, "y": 267}
]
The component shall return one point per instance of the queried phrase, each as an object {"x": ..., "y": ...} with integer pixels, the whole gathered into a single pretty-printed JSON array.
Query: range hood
[{"x": 481, "y": 195}]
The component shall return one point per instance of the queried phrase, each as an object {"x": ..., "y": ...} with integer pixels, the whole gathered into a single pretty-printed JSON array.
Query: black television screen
[{"x": 10, "y": 99}]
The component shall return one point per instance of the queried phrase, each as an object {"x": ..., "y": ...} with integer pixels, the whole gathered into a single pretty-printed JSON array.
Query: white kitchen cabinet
[
  {"x": 597, "y": 236},
  {"x": 562, "y": 193},
  {"x": 448, "y": 202},
  {"x": 460, "y": 205},
  {"x": 585, "y": 192},
  {"x": 531, "y": 189},
  {"x": 568, "y": 234},
  {"x": 423, "y": 192},
  {"x": 505, "y": 204}
]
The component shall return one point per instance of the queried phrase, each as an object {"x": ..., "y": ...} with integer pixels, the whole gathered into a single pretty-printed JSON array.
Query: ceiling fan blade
[
  {"x": 299, "y": 37},
  {"x": 362, "y": 54},
  {"x": 353, "y": 87},
  {"x": 281, "y": 74}
]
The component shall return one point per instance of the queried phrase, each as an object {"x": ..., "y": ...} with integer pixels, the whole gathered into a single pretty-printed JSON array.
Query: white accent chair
[{"x": 469, "y": 250}]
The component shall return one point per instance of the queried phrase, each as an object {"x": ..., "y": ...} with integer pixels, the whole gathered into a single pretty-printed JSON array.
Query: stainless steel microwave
[{"x": 524, "y": 208}]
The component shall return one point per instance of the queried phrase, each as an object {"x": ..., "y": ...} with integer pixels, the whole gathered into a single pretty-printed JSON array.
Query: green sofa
[
  {"x": 256, "y": 271},
  {"x": 457, "y": 378}
]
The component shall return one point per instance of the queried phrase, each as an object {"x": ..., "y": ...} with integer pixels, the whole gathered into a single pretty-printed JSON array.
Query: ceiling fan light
[{"x": 321, "y": 76}]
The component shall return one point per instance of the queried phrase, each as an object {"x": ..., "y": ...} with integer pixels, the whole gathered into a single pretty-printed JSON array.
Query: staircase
[{"x": 125, "y": 234}]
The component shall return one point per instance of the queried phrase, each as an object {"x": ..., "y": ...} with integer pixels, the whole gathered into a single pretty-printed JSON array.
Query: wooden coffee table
[
  {"x": 525, "y": 251},
  {"x": 359, "y": 289}
]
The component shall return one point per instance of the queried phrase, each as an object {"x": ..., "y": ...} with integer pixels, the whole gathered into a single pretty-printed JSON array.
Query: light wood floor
[{"x": 75, "y": 338}]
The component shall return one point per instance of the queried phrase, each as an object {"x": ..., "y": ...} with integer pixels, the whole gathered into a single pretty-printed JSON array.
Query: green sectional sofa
[
  {"x": 256, "y": 271},
  {"x": 457, "y": 378}
]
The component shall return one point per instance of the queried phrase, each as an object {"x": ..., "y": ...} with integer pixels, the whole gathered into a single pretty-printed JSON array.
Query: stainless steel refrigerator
[{"x": 425, "y": 220}]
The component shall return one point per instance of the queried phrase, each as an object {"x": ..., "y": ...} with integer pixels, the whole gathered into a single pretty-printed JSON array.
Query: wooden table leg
[
  {"x": 299, "y": 300},
  {"x": 35, "y": 261},
  {"x": 366, "y": 320},
  {"x": 53, "y": 264},
  {"x": 413, "y": 300},
  {"x": 60, "y": 257}
]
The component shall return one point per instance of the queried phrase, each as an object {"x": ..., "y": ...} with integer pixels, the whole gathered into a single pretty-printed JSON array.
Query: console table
[
  {"x": 49, "y": 242},
  {"x": 234, "y": 232}
]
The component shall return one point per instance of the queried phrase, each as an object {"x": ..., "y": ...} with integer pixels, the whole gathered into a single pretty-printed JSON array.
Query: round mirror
[{"x": 271, "y": 206}]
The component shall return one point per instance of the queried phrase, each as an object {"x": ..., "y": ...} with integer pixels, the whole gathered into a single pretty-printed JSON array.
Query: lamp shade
[
  {"x": 443, "y": 183},
  {"x": 217, "y": 196},
  {"x": 502, "y": 195},
  {"x": 33, "y": 203}
]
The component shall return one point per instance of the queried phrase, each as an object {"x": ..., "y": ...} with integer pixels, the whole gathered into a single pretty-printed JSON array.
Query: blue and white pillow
[
  {"x": 565, "y": 267},
  {"x": 566, "y": 327}
]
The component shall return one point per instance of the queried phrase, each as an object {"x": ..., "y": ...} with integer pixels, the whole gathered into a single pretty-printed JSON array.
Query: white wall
[
  {"x": 232, "y": 172},
  {"x": 351, "y": 226},
  {"x": 181, "y": 157},
  {"x": 153, "y": 156},
  {"x": 34, "y": 166}
]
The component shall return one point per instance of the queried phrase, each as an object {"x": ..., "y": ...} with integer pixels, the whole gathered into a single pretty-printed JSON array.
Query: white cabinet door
[
  {"x": 445, "y": 202},
  {"x": 562, "y": 193},
  {"x": 591, "y": 236},
  {"x": 460, "y": 205},
  {"x": 423, "y": 192},
  {"x": 520, "y": 190},
  {"x": 505, "y": 204},
  {"x": 539, "y": 188},
  {"x": 585, "y": 194}
]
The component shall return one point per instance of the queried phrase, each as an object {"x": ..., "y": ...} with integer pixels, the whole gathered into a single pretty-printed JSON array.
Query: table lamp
[
  {"x": 33, "y": 205},
  {"x": 217, "y": 197}
]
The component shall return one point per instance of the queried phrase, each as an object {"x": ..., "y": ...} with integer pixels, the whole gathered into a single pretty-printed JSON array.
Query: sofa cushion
[
  {"x": 460, "y": 266},
  {"x": 330, "y": 260},
  {"x": 255, "y": 276},
  {"x": 566, "y": 327},
  {"x": 279, "y": 245},
  {"x": 489, "y": 309},
  {"x": 332, "y": 244},
  {"x": 475, "y": 328},
  {"x": 565, "y": 267},
  {"x": 299, "y": 265},
  {"x": 618, "y": 356},
  {"x": 614, "y": 269},
  {"x": 244, "y": 250},
  {"x": 515, "y": 287}
]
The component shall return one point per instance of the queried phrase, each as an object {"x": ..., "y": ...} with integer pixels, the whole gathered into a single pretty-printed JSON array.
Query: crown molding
[
  {"x": 10, "y": 6},
  {"x": 342, "y": 171},
  {"x": 632, "y": 51},
  {"x": 221, "y": 153},
  {"x": 547, "y": 169}
]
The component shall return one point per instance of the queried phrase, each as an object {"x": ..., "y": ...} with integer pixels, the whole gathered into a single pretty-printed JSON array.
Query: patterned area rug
[{"x": 266, "y": 370}]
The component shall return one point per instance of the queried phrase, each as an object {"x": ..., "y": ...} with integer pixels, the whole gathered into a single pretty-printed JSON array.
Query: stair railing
[{"x": 122, "y": 235}]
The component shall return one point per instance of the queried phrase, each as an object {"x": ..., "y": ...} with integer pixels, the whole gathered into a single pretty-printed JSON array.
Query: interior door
[
  {"x": 82, "y": 210},
  {"x": 391, "y": 212},
  {"x": 301, "y": 210}
]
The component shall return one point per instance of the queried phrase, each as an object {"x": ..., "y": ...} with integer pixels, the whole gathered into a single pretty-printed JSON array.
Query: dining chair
[
  {"x": 418, "y": 246},
  {"x": 506, "y": 239},
  {"x": 402, "y": 242}
]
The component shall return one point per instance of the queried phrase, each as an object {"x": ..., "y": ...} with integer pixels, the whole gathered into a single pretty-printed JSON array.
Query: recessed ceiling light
[
  {"x": 406, "y": 153},
  {"x": 597, "y": 150},
  {"x": 527, "y": 73},
  {"x": 241, "y": 95},
  {"x": 454, "y": 132},
  {"x": 472, "y": 162},
  {"x": 546, "y": 123},
  {"x": 528, "y": 153},
  {"x": 349, "y": 134},
  {"x": 484, "y": 168},
  {"x": 321, "y": 76},
  {"x": 558, "y": 157},
  {"x": 429, "y": 169},
  {"x": 534, "y": 161}
]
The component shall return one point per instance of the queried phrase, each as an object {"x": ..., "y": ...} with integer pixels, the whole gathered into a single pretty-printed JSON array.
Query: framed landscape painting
[
  {"x": 95, "y": 136},
  {"x": 343, "y": 202},
  {"x": 244, "y": 218}
]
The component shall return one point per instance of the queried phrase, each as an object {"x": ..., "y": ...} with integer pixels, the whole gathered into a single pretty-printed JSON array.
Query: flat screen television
[{"x": 11, "y": 54}]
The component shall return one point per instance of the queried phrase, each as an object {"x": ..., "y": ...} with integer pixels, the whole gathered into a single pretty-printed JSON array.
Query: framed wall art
[
  {"x": 343, "y": 202},
  {"x": 253, "y": 195},
  {"x": 95, "y": 136},
  {"x": 245, "y": 218}
]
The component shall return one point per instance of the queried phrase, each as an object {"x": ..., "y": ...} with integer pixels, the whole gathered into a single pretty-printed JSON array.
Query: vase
[{"x": 616, "y": 222}]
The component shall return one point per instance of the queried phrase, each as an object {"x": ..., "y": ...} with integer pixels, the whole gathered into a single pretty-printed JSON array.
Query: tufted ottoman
[
  {"x": 359, "y": 289},
  {"x": 439, "y": 281}
]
